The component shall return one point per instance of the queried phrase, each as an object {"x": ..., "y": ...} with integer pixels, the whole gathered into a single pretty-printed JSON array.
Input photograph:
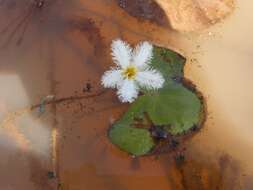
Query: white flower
[{"x": 132, "y": 70}]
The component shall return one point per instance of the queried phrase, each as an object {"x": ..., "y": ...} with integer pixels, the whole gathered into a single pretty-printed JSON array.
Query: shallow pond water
[{"x": 62, "y": 47}]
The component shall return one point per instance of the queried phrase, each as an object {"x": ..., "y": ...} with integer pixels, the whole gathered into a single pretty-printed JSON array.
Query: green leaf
[
  {"x": 135, "y": 141},
  {"x": 168, "y": 62},
  {"x": 174, "y": 107}
]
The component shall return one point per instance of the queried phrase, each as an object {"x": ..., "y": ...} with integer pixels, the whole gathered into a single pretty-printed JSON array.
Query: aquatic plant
[
  {"x": 174, "y": 108},
  {"x": 133, "y": 70}
]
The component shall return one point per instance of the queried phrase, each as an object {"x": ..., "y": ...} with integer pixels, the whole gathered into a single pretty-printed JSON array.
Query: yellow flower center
[{"x": 129, "y": 72}]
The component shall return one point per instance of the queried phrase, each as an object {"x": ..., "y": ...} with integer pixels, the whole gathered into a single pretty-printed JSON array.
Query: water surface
[{"x": 60, "y": 47}]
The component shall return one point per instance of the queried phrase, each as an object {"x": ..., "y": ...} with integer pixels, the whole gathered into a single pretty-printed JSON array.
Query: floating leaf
[
  {"x": 168, "y": 62},
  {"x": 136, "y": 141},
  {"x": 174, "y": 107}
]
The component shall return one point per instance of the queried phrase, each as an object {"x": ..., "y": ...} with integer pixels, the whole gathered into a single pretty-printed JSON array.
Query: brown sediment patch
[
  {"x": 221, "y": 174},
  {"x": 40, "y": 174},
  {"x": 181, "y": 15},
  {"x": 145, "y": 9},
  {"x": 88, "y": 27}
]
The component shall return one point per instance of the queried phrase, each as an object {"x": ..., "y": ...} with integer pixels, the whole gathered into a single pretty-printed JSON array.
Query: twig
[{"x": 61, "y": 100}]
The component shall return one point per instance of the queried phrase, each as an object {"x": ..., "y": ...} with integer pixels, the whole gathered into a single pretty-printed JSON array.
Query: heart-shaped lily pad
[{"x": 174, "y": 107}]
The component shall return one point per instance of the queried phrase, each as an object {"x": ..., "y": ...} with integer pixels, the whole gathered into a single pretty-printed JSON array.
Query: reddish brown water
[{"x": 61, "y": 46}]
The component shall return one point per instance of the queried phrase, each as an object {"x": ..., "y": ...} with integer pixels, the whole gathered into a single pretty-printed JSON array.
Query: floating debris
[
  {"x": 50, "y": 175},
  {"x": 44, "y": 101}
]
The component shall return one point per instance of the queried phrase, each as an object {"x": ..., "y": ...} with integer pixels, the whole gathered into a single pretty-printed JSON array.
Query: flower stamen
[{"x": 129, "y": 73}]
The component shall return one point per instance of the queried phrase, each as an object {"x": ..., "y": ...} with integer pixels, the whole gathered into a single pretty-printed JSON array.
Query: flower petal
[
  {"x": 121, "y": 53},
  {"x": 112, "y": 78},
  {"x": 142, "y": 55},
  {"x": 128, "y": 91},
  {"x": 150, "y": 79}
]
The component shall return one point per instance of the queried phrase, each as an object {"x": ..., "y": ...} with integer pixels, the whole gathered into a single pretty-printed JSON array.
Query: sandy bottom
[{"x": 60, "y": 47}]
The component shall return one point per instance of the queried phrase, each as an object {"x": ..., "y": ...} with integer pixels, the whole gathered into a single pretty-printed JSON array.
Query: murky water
[
  {"x": 223, "y": 73},
  {"x": 61, "y": 46}
]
